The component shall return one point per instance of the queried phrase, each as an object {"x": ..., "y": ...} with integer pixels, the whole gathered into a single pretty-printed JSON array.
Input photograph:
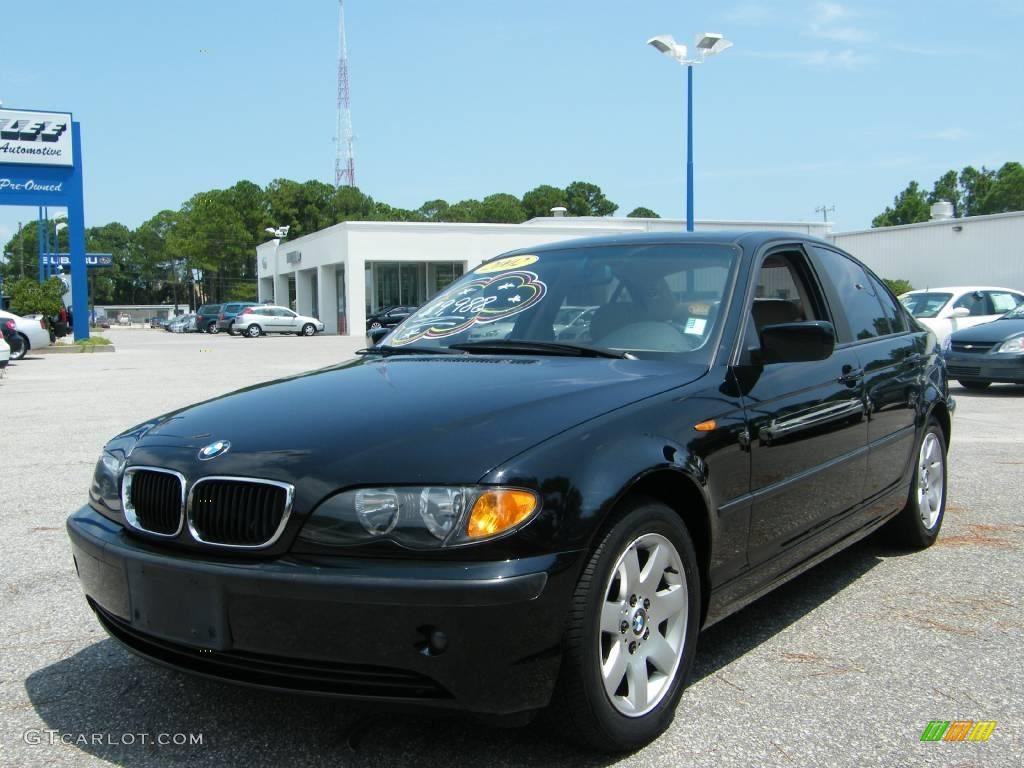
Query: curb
[{"x": 71, "y": 349}]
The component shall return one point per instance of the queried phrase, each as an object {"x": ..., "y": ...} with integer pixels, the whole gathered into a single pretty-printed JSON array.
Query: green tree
[
  {"x": 909, "y": 207},
  {"x": 1007, "y": 190},
  {"x": 29, "y": 297},
  {"x": 463, "y": 211},
  {"x": 642, "y": 213},
  {"x": 502, "y": 209},
  {"x": 586, "y": 199},
  {"x": 433, "y": 210},
  {"x": 539, "y": 201},
  {"x": 304, "y": 207},
  {"x": 975, "y": 186},
  {"x": 349, "y": 204},
  {"x": 898, "y": 286}
]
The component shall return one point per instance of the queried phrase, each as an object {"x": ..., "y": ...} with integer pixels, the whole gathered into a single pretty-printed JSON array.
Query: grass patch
[{"x": 94, "y": 341}]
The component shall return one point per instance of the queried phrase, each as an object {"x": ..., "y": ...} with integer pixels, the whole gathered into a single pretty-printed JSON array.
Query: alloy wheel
[
  {"x": 930, "y": 480},
  {"x": 644, "y": 617}
]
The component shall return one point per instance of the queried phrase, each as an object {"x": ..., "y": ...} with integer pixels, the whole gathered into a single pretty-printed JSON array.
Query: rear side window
[
  {"x": 893, "y": 311},
  {"x": 856, "y": 297},
  {"x": 976, "y": 303},
  {"x": 1003, "y": 301}
]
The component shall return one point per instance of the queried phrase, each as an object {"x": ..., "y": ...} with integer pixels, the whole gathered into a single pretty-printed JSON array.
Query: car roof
[
  {"x": 747, "y": 239},
  {"x": 962, "y": 289}
]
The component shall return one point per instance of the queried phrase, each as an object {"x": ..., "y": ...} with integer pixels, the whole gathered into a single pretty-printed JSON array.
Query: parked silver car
[
  {"x": 266, "y": 318},
  {"x": 34, "y": 334}
]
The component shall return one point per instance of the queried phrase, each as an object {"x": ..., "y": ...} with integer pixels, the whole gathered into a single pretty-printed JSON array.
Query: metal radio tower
[{"x": 344, "y": 168}]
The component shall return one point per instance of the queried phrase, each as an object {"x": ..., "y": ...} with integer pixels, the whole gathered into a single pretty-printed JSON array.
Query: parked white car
[
  {"x": 945, "y": 310},
  {"x": 5, "y": 353},
  {"x": 32, "y": 333},
  {"x": 266, "y": 318}
]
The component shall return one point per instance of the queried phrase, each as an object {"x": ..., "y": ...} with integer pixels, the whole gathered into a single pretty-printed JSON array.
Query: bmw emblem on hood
[{"x": 213, "y": 450}]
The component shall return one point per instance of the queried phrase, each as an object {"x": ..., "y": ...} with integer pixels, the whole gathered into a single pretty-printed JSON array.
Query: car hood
[
  {"x": 997, "y": 330},
  {"x": 399, "y": 420}
]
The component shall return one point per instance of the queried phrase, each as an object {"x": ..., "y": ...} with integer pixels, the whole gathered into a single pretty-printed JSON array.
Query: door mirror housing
[
  {"x": 960, "y": 312},
  {"x": 376, "y": 334},
  {"x": 797, "y": 342}
]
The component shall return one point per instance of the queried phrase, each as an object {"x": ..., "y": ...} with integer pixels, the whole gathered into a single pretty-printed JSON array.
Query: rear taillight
[
  {"x": 10, "y": 325},
  {"x": 246, "y": 311}
]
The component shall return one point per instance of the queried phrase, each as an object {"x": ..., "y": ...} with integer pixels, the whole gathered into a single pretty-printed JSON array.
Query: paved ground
[{"x": 843, "y": 667}]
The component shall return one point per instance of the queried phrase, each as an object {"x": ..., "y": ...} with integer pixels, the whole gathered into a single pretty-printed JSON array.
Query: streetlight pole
[
  {"x": 689, "y": 147},
  {"x": 707, "y": 44}
]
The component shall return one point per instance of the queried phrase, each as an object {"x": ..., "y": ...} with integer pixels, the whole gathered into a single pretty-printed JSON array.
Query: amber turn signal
[
  {"x": 498, "y": 510},
  {"x": 706, "y": 426}
]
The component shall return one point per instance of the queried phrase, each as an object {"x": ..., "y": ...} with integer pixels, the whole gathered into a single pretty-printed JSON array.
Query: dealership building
[{"x": 347, "y": 271}]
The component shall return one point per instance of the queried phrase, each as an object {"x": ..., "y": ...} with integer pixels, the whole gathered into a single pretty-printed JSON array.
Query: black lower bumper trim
[{"x": 298, "y": 675}]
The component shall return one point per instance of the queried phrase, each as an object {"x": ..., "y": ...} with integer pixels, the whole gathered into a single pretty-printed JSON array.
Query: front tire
[
  {"x": 20, "y": 354},
  {"x": 632, "y": 631},
  {"x": 918, "y": 523},
  {"x": 975, "y": 385},
  {"x": 308, "y": 329},
  {"x": 253, "y": 331}
]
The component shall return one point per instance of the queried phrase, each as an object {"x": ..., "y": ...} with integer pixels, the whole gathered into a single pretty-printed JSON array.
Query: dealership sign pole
[{"x": 41, "y": 165}]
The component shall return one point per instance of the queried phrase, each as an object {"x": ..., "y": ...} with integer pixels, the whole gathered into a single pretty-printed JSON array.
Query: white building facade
[
  {"x": 342, "y": 273},
  {"x": 977, "y": 250}
]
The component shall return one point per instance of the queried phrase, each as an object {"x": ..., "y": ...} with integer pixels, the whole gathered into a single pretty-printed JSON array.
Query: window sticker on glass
[
  {"x": 506, "y": 264},
  {"x": 480, "y": 301},
  {"x": 695, "y": 325},
  {"x": 699, "y": 309}
]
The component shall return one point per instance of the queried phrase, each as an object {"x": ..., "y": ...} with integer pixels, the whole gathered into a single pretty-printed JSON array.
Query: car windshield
[
  {"x": 650, "y": 300},
  {"x": 925, "y": 304}
]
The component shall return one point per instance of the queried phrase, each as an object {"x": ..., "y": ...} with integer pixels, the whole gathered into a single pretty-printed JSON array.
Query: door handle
[{"x": 851, "y": 376}]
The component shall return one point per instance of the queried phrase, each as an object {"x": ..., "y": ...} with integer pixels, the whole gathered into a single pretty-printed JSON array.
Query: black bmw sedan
[
  {"x": 522, "y": 523},
  {"x": 988, "y": 353}
]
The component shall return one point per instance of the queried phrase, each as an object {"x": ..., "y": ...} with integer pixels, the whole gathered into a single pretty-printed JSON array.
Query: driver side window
[{"x": 785, "y": 292}]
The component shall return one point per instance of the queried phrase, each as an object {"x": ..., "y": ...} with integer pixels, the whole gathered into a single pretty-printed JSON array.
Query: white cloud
[
  {"x": 948, "y": 134},
  {"x": 827, "y": 23},
  {"x": 750, "y": 14},
  {"x": 820, "y": 59}
]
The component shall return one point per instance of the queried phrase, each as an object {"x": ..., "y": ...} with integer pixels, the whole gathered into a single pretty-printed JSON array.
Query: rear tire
[
  {"x": 918, "y": 523},
  {"x": 20, "y": 354},
  {"x": 253, "y": 331},
  {"x": 975, "y": 385},
  {"x": 212, "y": 328},
  {"x": 632, "y": 631}
]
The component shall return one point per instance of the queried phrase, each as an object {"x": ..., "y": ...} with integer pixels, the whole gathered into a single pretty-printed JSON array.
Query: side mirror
[
  {"x": 960, "y": 312},
  {"x": 797, "y": 342},
  {"x": 376, "y": 334}
]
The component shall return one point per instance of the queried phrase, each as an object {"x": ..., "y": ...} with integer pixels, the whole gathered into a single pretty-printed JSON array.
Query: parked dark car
[
  {"x": 520, "y": 523},
  {"x": 14, "y": 339},
  {"x": 988, "y": 353},
  {"x": 229, "y": 312},
  {"x": 206, "y": 318},
  {"x": 388, "y": 317}
]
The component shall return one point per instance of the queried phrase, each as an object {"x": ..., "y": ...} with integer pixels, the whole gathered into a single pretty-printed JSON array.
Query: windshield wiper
[
  {"x": 526, "y": 347},
  {"x": 387, "y": 349}
]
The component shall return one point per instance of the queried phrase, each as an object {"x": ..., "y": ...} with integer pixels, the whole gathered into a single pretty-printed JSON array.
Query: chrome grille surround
[
  {"x": 131, "y": 514},
  {"x": 192, "y": 513}
]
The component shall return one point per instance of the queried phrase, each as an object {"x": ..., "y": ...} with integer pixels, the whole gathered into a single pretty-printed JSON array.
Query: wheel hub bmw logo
[
  {"x": 639, "y": 622},
  {"x": 213, "y": 450}
]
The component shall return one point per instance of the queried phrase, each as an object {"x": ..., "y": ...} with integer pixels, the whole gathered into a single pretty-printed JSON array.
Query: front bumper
[
  {"x": 1000, "y": 368},
  {"x": 344, "y": 627}
]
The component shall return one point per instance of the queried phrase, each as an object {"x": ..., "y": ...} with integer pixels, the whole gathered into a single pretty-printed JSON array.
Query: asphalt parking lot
[{"x": 845, "y": 666}]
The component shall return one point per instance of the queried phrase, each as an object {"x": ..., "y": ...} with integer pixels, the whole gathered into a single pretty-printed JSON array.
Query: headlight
[
  {"x": 1016, "y": 344},
  {"x": 421, "y": 517},
  {"x": 105, "y": 491}
]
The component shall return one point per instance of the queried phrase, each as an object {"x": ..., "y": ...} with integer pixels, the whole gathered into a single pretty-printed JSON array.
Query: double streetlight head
[
  {"x": 279, "y": 232},
  {"x": 706, "y": 43}
]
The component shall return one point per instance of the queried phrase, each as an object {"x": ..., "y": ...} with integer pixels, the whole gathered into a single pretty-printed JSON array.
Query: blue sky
[{"x": 818, "y": 103}]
